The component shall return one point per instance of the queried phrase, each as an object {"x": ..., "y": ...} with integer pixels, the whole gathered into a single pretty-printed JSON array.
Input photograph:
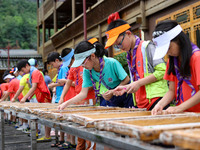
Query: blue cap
[{"x": 32, "y": 62}]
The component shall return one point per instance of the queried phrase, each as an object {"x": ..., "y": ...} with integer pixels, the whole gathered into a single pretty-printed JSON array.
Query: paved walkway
[{"x": 17, "y": 140}]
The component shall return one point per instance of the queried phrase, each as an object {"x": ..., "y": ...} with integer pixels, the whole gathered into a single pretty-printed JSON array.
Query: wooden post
[
  {"x": 73, "y": 41},
  {"x": 84, "y": 19},
  {"x": 55, "y": 18},
  {"x": 38, "y": 37},
  {"x": 73, "y": 9},
  {"x": 143, "y": 26},
  {"x": 110, "y": 52},
  {"x": 33, "y": 135},
  {"x": 38, "y": 3},
  {"x": 43, "y": 33},
  {"x": 99, "y": 30},
  {"x": 2, "y": 130}
]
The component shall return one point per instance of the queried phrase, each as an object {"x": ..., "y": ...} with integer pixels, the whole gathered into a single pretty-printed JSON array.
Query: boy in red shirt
[{"x": 38, "y": 87}]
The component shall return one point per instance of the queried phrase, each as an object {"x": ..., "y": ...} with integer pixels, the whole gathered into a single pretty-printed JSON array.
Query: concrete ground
[{"x": 17, "y": 140}]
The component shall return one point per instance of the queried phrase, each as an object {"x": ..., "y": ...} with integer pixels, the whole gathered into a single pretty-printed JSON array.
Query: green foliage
[
  {"x": 122, "y": 59},
  {"x": 18, "y": 20}
]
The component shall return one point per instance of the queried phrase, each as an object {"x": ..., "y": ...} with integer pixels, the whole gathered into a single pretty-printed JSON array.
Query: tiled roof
[{"x": 17, "y": 53}]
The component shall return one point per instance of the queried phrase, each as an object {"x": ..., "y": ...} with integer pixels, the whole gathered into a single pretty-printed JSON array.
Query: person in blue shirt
[
  {"x": 47, "y": 78},
  {"x": 55, "y": 60},
  {"x": 61, "y": 63}
]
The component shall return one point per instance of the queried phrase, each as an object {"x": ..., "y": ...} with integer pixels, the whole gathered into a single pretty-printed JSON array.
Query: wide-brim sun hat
[{"x": 162, "y": 42}]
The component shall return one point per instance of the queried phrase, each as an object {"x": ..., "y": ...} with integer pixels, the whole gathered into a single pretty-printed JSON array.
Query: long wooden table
[{"x": 103, "y": 137}]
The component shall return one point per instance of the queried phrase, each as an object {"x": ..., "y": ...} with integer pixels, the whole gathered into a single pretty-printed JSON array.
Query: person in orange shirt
[
  {"x": 38, "y": 87},
  {"x": 183, "y": 70},
  {"x": 4, "y": 88},
  {"x": 13, "y": 85}
]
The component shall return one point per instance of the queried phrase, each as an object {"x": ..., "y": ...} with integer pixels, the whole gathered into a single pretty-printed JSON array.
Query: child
[
  {"x": 61, "y": 63},
  {"x": 75, "y": 75},
  {"x": 38, "y": 87},
  {"x": 24, "y": 83},
  {"x": 55, "y": 60},
  {"x": 183, "y": 71},
  {"x": 13, "y": 84},
  {"x": 90, "y": 56},
  {"x": 146, "y": 74}
]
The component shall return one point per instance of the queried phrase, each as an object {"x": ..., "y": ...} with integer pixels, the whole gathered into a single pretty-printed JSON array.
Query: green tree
[{"x": 18, "y": 20}]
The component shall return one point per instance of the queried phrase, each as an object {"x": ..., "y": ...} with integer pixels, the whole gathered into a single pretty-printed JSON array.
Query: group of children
[{"x": 86, "y": 76}]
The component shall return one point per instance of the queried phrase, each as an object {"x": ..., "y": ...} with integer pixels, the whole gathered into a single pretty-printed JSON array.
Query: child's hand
[
  {"x": 51, "y": 85},
  {"x": 22, "y": 100},
  {"x": 62, "y": 81},
  {"x": 62, "y": 106},
  {"x": 13, "y": 100},
  {"x": 60, "y": 101},
  {"x": 174, "y": 110},
  {"x": 157, "y": 110},
  {"x": 120, "y": 90},
  {"x": 132, "y": 87},
  {"x": 108, "y": 95}
]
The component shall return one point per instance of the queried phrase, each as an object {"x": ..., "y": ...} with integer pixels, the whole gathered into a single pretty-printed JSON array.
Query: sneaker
[
  {"x": 18, "y": 125},
  {"x": 37, "y": 134},
  {"x": 27, "y": 130},
  {"x": 20, "y": 128},
  {"x": 44, "y": 139}
]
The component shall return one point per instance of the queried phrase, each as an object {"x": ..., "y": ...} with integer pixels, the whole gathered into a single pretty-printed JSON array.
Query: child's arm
[
  {"x": 30, "y": 93},
  {"x": 62, "y": 81},
  {"x": 194, "y": 100},
  {"x": 17, "y": 94},
  {"x": 82, "y": 95},
  {"x": 168, "y": 97},
  {"x": 134, "y": 86},
  {"x": 65, "y": 90},
  {"x": 52, "y": 85},
  {"x": 5, "y": 96}
]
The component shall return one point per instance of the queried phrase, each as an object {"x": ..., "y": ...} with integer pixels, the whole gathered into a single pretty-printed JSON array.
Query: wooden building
[{"x": 60, "y": 22}]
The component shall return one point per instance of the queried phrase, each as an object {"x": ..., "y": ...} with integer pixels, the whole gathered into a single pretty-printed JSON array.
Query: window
[{"x": 188, "y": 18}]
